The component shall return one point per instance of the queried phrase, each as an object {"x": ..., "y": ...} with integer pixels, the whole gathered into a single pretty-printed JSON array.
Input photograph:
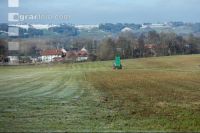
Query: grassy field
[{"x": 152, "y": 94}]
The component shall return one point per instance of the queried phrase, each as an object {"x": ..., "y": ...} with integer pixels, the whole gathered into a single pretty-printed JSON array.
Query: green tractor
[{"x": 117, "y": 64}]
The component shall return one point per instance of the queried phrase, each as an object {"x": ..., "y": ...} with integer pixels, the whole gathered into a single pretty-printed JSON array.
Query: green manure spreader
[{"x": 117, "y": 64}]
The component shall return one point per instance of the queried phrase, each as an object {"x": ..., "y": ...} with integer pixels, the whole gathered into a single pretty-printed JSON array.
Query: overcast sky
[{"x": 101, "y": 11}]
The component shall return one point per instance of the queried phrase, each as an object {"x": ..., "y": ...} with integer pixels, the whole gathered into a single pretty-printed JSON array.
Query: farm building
[
  {"x": 74, "y": 55},
  {"x": 13, "y": 60},
  {"x": 63, "y": 55},
  {"x": 52, "y": 55},
  {"x": 82, "y": 55}
]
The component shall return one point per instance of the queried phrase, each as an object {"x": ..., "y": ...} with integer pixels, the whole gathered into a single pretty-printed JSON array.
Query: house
[
  {"x": 13, "y": 60},
  {"x": 75, "y": 55},
  {"x": 127, "y": 29},
  {"x": 150, "y": 49},
  {"x": 82, "y": 55},
  {"x": 50, "y": 55}
]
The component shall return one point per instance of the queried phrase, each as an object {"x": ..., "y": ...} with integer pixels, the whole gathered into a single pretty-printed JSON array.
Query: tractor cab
[{"x": 117, "y": 64}]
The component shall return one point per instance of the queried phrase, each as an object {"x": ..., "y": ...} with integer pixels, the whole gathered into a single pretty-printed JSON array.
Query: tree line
[{"x": 128, "y": 45}]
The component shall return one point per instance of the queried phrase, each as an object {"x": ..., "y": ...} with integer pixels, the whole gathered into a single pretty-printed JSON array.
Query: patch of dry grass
[{"x": 159, "y": 99}]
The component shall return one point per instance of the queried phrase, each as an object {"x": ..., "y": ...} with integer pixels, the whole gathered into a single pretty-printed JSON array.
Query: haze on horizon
[{"x": 113, "y": 11}]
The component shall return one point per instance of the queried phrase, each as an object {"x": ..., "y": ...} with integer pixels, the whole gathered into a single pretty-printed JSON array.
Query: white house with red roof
[
  {"x": 52, "y": 55},
  {"x": 82, "y": 55},
  {"x": 57, "y": 55}
]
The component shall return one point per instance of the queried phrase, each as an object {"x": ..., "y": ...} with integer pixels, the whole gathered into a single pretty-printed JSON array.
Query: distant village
[{"x": 49, "y": 56}]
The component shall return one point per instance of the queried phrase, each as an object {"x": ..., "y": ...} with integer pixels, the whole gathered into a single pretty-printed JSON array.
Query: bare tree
[
  {"x": 141, "y": 44},
  {"x": 106, "y": 50}
]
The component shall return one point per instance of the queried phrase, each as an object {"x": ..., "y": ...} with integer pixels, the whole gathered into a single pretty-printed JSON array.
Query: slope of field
[{"x": 157, "y": 94}]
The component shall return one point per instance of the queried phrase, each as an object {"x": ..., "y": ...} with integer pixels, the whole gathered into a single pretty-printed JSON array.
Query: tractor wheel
[{"x": 120, "y": 67}]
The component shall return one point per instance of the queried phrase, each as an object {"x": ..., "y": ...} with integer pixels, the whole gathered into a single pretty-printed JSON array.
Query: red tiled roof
[{"x": 51, "y": 52}]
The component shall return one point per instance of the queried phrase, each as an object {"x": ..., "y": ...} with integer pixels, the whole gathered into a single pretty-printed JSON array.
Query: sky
[{"x": 107, "y": 11}]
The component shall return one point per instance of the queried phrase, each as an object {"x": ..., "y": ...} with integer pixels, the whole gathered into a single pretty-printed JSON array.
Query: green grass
[{"x": 151, "y": 94}]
